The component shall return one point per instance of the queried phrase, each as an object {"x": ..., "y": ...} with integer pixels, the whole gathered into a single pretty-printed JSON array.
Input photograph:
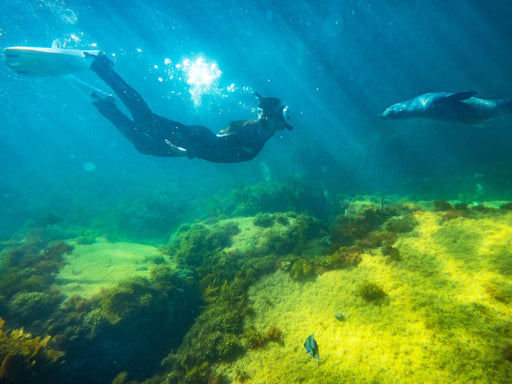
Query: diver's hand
[{"x": 178, "y": 151}]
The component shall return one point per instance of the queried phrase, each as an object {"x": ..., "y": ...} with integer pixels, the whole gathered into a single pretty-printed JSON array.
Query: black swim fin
[{"x": 459, "y": 96}]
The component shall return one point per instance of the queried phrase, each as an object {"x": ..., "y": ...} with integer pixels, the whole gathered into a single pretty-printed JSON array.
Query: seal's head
[
  {"x": 396, "y": 111},
  {"x": 273, "y": 110}
]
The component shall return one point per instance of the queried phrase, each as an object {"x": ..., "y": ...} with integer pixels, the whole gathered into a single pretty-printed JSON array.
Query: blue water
[{"x": 337, "y": 64}]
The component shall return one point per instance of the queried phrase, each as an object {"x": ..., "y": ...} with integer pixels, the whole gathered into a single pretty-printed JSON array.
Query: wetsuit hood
[{"x": 273, "y": 107}]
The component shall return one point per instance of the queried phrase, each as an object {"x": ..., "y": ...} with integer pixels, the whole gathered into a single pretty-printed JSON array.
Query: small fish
[
  {"x": 312, "y": 347},
  {"x": 339, "y": 317}
]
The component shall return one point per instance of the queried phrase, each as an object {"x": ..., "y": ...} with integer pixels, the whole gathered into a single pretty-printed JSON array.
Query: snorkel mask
[{"x": 273, "y": 108}]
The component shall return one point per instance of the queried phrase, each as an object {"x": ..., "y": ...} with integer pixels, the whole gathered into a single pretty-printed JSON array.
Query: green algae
[
  {"x": 441, "y": 281},
  {"x": 264, "y": 220},
  {"x": 146, "y": 314},
  {"x": 401, "y": 224},
  {"x": 272, "y": 197},
  {"x": 27, "y": 280},
  {"x": 29, "y": 307},
  {"x": 444, "y": 319},
  {"x": 136, "y": 321},
  {"x": 371, "y": 292},
  {"x": 199, "y": 244}
]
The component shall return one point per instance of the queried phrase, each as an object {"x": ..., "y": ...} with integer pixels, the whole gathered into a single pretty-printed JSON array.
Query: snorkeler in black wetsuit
[{"x": 155, "y": 135}]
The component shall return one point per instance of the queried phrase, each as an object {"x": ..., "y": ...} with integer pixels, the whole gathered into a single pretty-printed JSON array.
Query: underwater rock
[
  {"x": 442, "y": 205},
  {"x": 293, "y": 234},
  {"x": 344, "y": 257},
  {"x": 134, "y": 323},
  {"x": 279, "y": 242},
  {"x": 286, "y": 265},
  {"x": 441, "y": 289},
  {"x": 481, "y": 208},
  {"x": 293, "y": 196},
  {"x": 252, "y": 337},
  {"x": 56, "y": 250},
  {"x": 461, "y": 206},
  {"x": 401, "y": 224},
  {"x": 218, "y": 334},
  {"x": 50, "y": 219},
  {"x": 346, "y": 229},
  {"x": 264, "y": 220},
  {"x": 375, "y": 239},
  {"x": 198, "y": 244},
  {"x": 392, "y": 252},
  {"x": 28, "y": 307},
  {"x": 506, "y": 207},
  {"x": 507, "y": 351},
  {"x": 26, "y": 283},
  {"x": 302, "y": 270},
  {"x": 216, "y": 253}
]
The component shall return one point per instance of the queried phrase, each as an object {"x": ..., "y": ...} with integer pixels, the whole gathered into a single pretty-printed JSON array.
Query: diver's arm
[{"x": 179, "y": 151}]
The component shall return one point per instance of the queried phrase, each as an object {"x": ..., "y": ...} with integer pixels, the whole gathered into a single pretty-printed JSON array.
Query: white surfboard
[{"x": 48, "y": 61}]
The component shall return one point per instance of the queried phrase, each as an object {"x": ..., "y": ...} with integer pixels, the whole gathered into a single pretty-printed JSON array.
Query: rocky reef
[
  {"x": 134, "y": 323},
  {"x": 226, "y": 293}
]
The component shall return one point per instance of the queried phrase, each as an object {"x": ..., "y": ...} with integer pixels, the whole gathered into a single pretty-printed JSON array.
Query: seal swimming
[{"x": 459, "y": 107}]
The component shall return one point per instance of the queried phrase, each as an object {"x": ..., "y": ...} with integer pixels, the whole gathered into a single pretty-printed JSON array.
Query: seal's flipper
[
  {"x": 48, "y": 61},
  {"x": 459, "y": 96}
]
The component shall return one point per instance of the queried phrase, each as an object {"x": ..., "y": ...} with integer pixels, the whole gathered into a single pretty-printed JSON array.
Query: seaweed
[
  {"x": 294, "y": 234},
  {"x": 252, "y": 338},
  {"x": 302, "y": 270},
  {"x": 481, "y": 208},
  {"x": 271, "y": 197},
  {"x": 371, "y": 292},
  {"x": 26, "y": 281},
  {"x": 506, "y": 206},
  {"x": 346, "y": 229},
  {"x": 217, "y": 335},
  {"x": 401, "y": 224},
  {"x": 264, "y": 220},
  {"x": 507, "y": 351},
  {"x": 393, "y": 253},
  {"x": 344, "y": 257},
  {"x": 197, "y": 245},
  {"x": 24, "y": 357},
  {"x": 208, "y": 251},
  {"x": 55, "y": 251},
  {"x": 442, "y": 206},
  {"x": 376, "y": 239},
  {"x": 255, "y": 339},
  {"x": 134, "y": 323},
  {"x": 274, "y": 334},
  {"x": 30, "y": 307}
]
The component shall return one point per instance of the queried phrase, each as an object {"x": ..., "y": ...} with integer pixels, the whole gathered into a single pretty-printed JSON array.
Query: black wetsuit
[{"x": 155, "y": 135}]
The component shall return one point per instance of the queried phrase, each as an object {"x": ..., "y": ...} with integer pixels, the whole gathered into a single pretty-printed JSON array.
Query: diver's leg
[
  {"x": 103, "y": 67},
  {"x": 86, "y": 90},
  {"x": 105, "y": 103},
  {"x": 138, "y": 137},
  {"x": 126, "y": 126}
]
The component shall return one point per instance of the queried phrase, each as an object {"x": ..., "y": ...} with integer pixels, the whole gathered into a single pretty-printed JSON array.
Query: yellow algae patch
[
  {"x": 250, "y": 235},
  {"x": 253, "y": 237},
  {"x": 446, "y": 316},
  {"x": 104, "y": 264}
]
